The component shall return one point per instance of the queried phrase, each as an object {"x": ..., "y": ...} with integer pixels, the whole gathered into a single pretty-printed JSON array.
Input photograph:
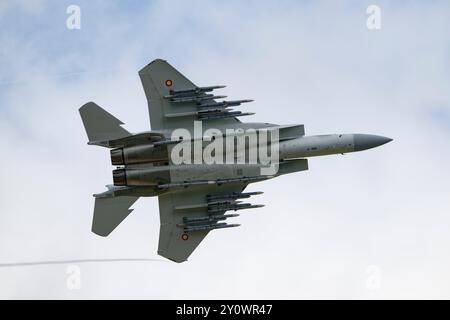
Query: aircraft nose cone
[{"x": 367, "y": 141}]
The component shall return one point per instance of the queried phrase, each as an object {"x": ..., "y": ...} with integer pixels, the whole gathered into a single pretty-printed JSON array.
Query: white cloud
[{"x": 32, "y": 7}]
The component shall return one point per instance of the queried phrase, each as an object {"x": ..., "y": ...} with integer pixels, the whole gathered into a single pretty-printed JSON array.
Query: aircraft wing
[
  {"x": 175, "y": 102},
  {"x": 187, "y": 217}
]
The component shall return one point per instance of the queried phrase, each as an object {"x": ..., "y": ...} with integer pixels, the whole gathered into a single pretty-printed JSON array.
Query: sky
[{"x": 368, "y": 225}]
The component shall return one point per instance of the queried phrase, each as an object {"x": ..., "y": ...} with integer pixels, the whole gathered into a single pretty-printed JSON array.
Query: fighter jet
[{"x": 197, "y": 158}]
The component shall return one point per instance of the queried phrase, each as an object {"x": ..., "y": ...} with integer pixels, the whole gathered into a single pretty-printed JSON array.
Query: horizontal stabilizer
[
  {"x": 110, "y": 212},
  {"x": 100, "y": 125}
]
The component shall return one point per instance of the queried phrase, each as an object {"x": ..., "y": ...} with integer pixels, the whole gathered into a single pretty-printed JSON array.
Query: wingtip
[
  {"x": 84, "y": 106},
  {"x": 148, "y": 65},
  {"x": 173, "y": 259},
  {"x": 101, "y": 234}
]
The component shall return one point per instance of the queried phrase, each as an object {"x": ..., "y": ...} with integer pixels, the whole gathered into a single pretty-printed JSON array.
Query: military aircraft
[{"x": 195, "y": 194}]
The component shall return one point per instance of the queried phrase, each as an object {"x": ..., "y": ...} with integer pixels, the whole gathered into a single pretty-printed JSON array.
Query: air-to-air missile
[
  {"x": 196, "y": 98},
  {"x": 210, "y": 227},
  {"x": 233, "y": 196},
  {"x": 234, "y": 207},
  {"x": 225, "y": 104},
  {"x": 208, "y": 218},
  {"x": 221, "y": 115},
  {"x": 196, "y": 90}
]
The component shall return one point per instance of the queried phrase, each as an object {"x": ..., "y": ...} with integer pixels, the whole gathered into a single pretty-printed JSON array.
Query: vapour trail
[{"x": 37, "y": 263}]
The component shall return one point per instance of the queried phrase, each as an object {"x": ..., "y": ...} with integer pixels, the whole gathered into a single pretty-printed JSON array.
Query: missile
[
  {"x": 197, "y": 99},
  {"x": 228, "y": 115},
  {"x": 210, "y": 227},
  {"x": 196, "y": 90},
  {"x": 235, "y": 207},
  {"x": 224, "y": 104},
  {"x": 234, "y": 195},
  {"x": 209, "y": 218},
  {"x": 204, "y": 205},
  {"x": 195, "y": 113},
  {"x": 221, "y": 202}
]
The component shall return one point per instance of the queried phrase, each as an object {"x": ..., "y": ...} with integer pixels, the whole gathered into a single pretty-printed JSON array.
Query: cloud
[
  {"x": 312, "y": 63},
  {"x": 27, "y": 7}
]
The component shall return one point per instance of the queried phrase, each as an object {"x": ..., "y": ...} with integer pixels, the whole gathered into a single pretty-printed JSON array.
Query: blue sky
[{"x": 312, "y": 62}]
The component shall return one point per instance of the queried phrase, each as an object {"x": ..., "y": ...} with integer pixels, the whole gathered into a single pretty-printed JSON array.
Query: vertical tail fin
[{"x": 100, "y": 125}]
